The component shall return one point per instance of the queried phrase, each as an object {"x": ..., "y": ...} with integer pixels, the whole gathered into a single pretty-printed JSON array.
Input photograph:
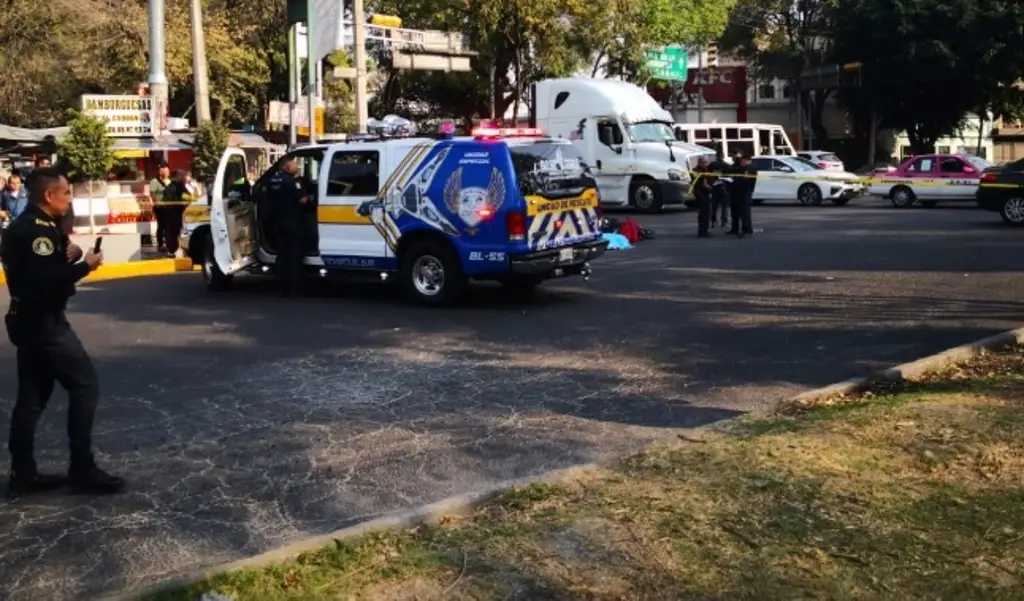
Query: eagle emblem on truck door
[{"x": 474, "y": 204}]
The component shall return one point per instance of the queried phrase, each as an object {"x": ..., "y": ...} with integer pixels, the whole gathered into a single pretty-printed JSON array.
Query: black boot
[
  {"x": 26, "y": 482},
  {"x": 92, "y": 480}
]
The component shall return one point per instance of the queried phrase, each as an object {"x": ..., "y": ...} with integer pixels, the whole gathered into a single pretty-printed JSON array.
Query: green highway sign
[{"x": 670, "y": 62}]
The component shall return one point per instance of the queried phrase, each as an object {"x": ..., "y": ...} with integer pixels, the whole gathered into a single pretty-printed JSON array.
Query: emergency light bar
[{"x": 507, "y": 132}]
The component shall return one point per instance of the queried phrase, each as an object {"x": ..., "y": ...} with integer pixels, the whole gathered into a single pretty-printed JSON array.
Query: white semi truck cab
[{"x": 625, "y": 137}]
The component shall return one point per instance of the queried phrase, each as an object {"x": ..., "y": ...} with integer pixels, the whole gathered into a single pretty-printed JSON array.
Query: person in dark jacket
[
  {"x": 289, "y": 197},
  {"x": 742, "y": 196},
  {"x": 177, "y": 196},
  {"x": 720, "y": 192},
  {"x": 702, "y": 191}
]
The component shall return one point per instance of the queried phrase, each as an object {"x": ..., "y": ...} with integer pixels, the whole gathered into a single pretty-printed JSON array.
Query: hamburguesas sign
[{"x": 125, "y": 116}]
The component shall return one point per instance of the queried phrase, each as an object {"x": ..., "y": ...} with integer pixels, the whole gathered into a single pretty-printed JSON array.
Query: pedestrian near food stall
[
  {"x": 42, "y": 267},
  {"x": 176, "y": 196},
  {"x": 156, "y": 194}
]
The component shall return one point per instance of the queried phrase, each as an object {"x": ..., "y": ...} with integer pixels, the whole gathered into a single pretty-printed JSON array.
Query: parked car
[
  {"x": 929, "y": 179},
  {"x": 790, "y": 178},
  {"x": 1001, "y": 189},
  {"x": 823, "y": 159}
]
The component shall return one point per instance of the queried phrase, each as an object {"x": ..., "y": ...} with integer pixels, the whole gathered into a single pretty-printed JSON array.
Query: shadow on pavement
[{"x": 245, "y": 421}]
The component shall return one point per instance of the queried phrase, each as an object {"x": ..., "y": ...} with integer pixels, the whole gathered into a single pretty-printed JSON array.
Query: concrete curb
[
  {"x": 132, "y": 269},
  {"x": 467, "y": 503},
  {"x": 913, "y": 369},
  {"x": 458, "y": 505}
]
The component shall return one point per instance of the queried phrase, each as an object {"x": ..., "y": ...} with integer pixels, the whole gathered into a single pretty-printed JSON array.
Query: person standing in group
[
  {"x": 176, "y": 197},
  {"x": 288, "y": 198},
  {"x": 720, "y": 192},
  {"x": 42, "y": 267},
  {"x": 156, "y": 194},
  {"x": 13, "y": 198},
  {"x": 743, "y": 192},
  {"x": 702, "y": 185}
]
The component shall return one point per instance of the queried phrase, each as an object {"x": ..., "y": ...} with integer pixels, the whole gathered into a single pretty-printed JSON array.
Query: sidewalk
[{"x": 909, "y": 492}]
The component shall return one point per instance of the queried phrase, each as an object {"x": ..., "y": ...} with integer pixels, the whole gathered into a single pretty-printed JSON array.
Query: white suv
[{"x": 823, "y": 159}]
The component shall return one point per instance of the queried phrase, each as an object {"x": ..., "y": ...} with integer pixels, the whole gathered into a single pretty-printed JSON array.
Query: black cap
[{"x": 162, "y": 164}]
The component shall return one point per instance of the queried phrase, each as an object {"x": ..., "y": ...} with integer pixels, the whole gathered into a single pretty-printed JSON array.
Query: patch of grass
[{"x": 912, "y": 491}]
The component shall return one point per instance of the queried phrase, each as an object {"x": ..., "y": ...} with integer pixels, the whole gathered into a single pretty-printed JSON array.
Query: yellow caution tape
[{"x": 924, "y": 182}]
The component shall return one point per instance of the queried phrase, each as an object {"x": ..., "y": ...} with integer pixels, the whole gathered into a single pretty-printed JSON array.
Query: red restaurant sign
[{"x": 718, "y": 85}]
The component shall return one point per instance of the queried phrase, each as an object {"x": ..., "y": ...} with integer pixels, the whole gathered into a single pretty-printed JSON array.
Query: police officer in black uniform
[
  {"x": 288, "y": 199},
  {"x": 743, "y": 194},
  {"x": 720, "y": 192},
  {"x": 702, "y": 191},
  {"x": 42, "y": 267}
]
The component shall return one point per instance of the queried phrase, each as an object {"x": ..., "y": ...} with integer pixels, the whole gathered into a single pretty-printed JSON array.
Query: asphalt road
[{"x": 244, "y": 421}]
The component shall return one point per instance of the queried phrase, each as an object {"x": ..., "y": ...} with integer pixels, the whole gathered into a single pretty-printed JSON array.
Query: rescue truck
[{"x": 510, "y": 205}]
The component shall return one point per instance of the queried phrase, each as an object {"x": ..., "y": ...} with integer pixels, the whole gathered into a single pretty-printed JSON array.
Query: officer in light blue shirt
[{"x": 13, "y": 198}]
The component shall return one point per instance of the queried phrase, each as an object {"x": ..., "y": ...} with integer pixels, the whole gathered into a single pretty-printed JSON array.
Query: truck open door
[{"x": 232, "y": 215}]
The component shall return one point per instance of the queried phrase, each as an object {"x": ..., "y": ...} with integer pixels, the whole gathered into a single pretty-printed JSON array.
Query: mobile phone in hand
[{"x": 98, "y": 245}]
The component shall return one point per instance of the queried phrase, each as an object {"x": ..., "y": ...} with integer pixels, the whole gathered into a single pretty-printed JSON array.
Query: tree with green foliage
[
  {"x": 339, "y": 99},
  {"x": 523, "y": 41},
  {"x": 87, "y": 151},
  {"x": 927, "y": 65},
  {"x": 210, "y": 140},
  {"x": 781, "y": 38}
]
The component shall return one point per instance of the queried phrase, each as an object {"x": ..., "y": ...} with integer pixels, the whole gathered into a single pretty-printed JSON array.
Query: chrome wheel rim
[
  {"x": 644, "y": 197},
  {"x": 428, "y": 275},
  {"x": 1014, "y": 209}
]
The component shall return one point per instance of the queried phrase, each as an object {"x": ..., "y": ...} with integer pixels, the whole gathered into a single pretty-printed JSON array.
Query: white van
[
  {"x": 624, "y": 136},
  {"x": 749, "y": 138}
]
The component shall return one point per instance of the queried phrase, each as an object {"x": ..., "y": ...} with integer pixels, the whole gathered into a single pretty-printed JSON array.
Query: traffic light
[
  {"x": 712, "y": 54},
  {"x": 385, "y": 21}
]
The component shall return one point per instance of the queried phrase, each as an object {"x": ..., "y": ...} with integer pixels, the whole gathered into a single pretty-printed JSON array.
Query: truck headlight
[{"x": 675, "y": 175}]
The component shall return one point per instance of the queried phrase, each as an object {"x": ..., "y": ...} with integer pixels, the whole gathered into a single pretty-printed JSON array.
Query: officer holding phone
[{"x": 42, "y": 267}]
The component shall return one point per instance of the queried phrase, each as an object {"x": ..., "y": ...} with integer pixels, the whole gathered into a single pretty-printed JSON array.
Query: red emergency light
[{"x": 507, "y": 132}]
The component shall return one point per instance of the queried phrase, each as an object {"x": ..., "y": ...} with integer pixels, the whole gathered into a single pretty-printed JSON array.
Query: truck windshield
[
  {"x": 650, "y": 131},
  {"x": 550, "y": 169}
]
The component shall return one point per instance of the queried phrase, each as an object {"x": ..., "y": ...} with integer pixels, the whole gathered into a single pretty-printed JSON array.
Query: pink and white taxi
[{"x": 929, "y": 179}]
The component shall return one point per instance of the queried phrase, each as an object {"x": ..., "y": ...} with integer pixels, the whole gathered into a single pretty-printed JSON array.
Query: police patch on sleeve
[{"x": 42, "y": 246}]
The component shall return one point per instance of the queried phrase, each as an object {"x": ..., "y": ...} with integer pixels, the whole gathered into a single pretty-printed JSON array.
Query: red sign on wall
[{"x": 718, "y": 85}]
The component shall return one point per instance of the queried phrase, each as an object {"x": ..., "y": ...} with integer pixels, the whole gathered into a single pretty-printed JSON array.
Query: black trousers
[
  {"x": 741, "y": 214},
  {"x": 720, "y": 204},
  {"x": 291, "y": 248},
  {"x": 160, "y": 238},
  {"x": 172, "y": 226},
  {"x": 703, "y": 210},
  {"x": 50, "y": 352}
]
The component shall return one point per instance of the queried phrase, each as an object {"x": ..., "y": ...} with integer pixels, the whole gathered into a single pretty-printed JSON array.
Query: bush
[{"x": 86, "y": 149}]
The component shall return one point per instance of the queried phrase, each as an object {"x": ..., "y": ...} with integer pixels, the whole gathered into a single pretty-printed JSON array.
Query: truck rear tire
[
  {"x": 432, "y": 274},
  {"x": 215, "y": 279}
]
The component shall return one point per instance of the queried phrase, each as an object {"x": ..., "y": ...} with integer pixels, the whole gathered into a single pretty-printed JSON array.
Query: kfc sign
[{"x": 718, "y": 85}]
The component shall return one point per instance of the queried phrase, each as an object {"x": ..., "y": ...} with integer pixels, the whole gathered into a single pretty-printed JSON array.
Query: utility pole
[
  {"x": 199, "y": 76},
  {"x": 311, "y": 61},
  {"x": 157, "y": 78},
  {"x": 293, "y": 94},
  {"x": 359, "y": 56},
  {"x": 700, "y": 86}
]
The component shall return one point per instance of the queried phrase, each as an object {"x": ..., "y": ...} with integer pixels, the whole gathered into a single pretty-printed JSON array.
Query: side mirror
[
  {"x": 365, "y": 208},
  {"x": 786, "y": 169},
  {"x": 969, "y": 170},
  {"x": 617, "y": 149}
]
